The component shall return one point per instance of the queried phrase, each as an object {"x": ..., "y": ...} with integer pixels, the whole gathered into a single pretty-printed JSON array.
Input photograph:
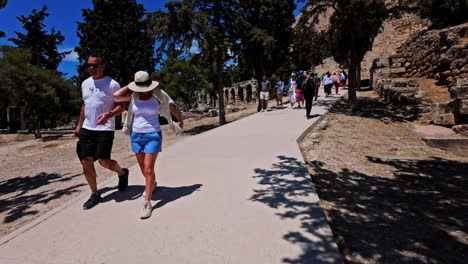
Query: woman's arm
[
  {"x": 177, "y": 114},
  {"x": 123, "y": 94}
]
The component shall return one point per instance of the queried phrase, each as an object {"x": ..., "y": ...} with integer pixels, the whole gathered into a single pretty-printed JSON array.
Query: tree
[
  {"x": 265, "y": 33},
  {"x": 309, "y": 47},
  {"x": 443, "y": 13},
  {"x": 118, "y": 31},
  {"x": 210, "y": 23},
  {"x": 42, "y": 45},
  {"x": 182, "y": 79},
  {"x": 353, "y": 26},
  {"x": 37, "y": 92}
]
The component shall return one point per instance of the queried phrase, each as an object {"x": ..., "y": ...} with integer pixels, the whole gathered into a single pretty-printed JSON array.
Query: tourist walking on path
[
  {"x": 343, "y": 78},
  {"x": 317, "y": 85},
  {"x": 292, "y": 90},
  {"x": 95, "y": 128},
  {"x": 327, "y": 83},
  {"x": 309, "y": 93},
  {"x": 279, "y": 91},
  {"x": 265, "y": 93},
  {"x": 336, "y": 82},
  {"x": 147, "y": 102},
  {"x": 299, "y": 86}
]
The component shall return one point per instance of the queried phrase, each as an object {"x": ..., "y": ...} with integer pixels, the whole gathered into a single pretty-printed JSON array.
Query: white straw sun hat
[{"x": 142, "y": 83}]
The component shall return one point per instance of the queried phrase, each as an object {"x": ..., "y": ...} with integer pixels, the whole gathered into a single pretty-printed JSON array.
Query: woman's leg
[{"x": 149, "y": 161}]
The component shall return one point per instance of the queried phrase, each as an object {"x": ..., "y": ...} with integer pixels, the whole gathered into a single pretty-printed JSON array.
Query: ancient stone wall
[
  {"x": 437, "y": 54},
  {"x": 396, "y": 31}
]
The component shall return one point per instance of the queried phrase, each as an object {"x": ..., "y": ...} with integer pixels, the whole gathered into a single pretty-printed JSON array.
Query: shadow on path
[
  {"x": 419, "y": 215},
  {"x": 162, "y": 194},
  {"x": 286, "y": 188},
  {"x": 17, "y": 200}
]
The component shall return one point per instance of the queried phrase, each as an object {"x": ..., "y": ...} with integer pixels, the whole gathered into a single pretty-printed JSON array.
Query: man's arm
[
  {"x": 80, "y": 121},
  {"x": 177, "y": 114},
  {"x": 118, "y": 109}
]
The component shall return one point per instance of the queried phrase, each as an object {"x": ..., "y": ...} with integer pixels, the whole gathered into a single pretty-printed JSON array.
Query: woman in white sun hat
[{"x": 147, "y": 102}]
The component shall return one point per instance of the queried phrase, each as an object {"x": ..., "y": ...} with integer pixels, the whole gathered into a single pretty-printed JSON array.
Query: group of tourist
[
  {"x": 300, "y": 88},
  {"x": 103, "y": 99}
]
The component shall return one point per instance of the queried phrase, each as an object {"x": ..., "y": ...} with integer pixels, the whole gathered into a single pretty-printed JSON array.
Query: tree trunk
[
  {"x": 352, "y": 83},
  {"x": 358, "y": 76},
  {"x": 220, "y": 89}
]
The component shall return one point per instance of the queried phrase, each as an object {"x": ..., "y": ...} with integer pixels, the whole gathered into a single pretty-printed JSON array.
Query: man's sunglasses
[{"x": 93, "y": 65}]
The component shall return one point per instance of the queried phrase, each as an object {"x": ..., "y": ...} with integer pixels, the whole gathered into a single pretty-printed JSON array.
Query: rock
[
  {"x": 314, "y": 135},
  {"x": 213, "y": 112},
  {"x": 231, "y": 109},
  {"x": 459, "y": 92},
  {"x": 461, "y": 129}
]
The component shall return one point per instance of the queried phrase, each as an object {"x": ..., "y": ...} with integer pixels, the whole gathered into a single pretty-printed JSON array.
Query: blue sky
[{"x": 63, "y": 16}]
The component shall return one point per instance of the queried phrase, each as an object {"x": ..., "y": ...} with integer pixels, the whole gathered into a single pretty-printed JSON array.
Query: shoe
[
  {"x": 93, "y": 200},
  {"x": 123, "y": 180},
  {"x": 155, "y": 185},
  {"x": 147, "y": 210}
]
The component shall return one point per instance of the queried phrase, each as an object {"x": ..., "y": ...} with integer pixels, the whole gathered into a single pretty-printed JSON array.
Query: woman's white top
[{"x": 146, "y": 118}]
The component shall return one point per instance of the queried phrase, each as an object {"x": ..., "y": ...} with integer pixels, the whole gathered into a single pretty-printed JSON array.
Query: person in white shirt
[
  {"x": 96, "y": 126},
  {"x": 328, "y": 83},
  {"x": 147, "y": 102}
]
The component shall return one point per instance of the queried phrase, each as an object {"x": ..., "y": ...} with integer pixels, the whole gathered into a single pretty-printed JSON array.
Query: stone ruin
[{"x": 437, "y": 54}]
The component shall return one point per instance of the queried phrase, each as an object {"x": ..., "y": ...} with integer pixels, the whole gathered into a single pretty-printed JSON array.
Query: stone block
[
  {"x": 462, "y": 82},
  {"x": 398, "y": 70},
  {"x": 463, "y": 107},
  {"x": 459, "y": 92},
  {"x": 381, "y": 63},
  {"x": 213, "y": 112},
  {"x": 461, "y": 129},
  {"x": 413, "y": 83},
  {"x": 400, "y": 84},
  {"x": 444, "y": 119}
]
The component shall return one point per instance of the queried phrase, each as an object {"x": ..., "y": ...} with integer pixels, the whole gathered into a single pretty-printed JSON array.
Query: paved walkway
[{"x": 239, "y": 193}]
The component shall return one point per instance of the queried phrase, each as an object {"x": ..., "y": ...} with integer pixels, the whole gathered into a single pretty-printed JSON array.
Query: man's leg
[
  {"x": 308, "y": 105},
  {"x": 90, "y": 173},
  {"x": 112, "y": 165}
]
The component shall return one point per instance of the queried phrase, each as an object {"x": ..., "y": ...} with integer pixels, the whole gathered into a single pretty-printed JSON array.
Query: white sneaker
[{"x": 147, "y": 209}]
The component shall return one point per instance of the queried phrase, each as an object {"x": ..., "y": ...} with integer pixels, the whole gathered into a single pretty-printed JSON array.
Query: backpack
[{"x": 309, "y": 86}]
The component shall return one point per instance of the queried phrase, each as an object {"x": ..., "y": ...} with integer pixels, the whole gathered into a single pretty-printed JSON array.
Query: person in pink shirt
[{"x": 336, "y": 82}]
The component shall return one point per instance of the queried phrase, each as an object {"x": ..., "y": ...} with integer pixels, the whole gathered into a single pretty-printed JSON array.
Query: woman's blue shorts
[{"x": 146, "y": 142}]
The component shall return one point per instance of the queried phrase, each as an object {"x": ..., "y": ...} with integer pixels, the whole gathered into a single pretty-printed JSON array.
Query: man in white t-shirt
[{"x": 96, "y": 127}]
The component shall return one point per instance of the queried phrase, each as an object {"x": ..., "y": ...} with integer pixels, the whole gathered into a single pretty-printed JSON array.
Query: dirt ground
[
  {"x": 388, "y": 197},
  {"x": 38, "y": 176}
]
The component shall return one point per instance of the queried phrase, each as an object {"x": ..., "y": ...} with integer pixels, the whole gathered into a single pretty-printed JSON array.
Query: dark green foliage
[
  {"x": 265, "y": 35},
  {"x": 310, "y": 47},
  {"x": 118, "y": 31},
  {"x": 182, "y": 79},
  {"x": 42, "y": 45},
  {"x": 444, "y": 13},
  {"x": 39, "y": 92},
  {"x": 235, "y": 74},
  {"x": 209, "y": 23}
]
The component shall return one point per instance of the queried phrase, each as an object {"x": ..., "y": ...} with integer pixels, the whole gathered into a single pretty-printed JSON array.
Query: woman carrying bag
[{"x": 147, "y": 102}]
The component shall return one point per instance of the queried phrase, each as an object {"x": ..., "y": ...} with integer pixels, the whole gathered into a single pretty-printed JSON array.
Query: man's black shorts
[{"x": 96, "y": 144}]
